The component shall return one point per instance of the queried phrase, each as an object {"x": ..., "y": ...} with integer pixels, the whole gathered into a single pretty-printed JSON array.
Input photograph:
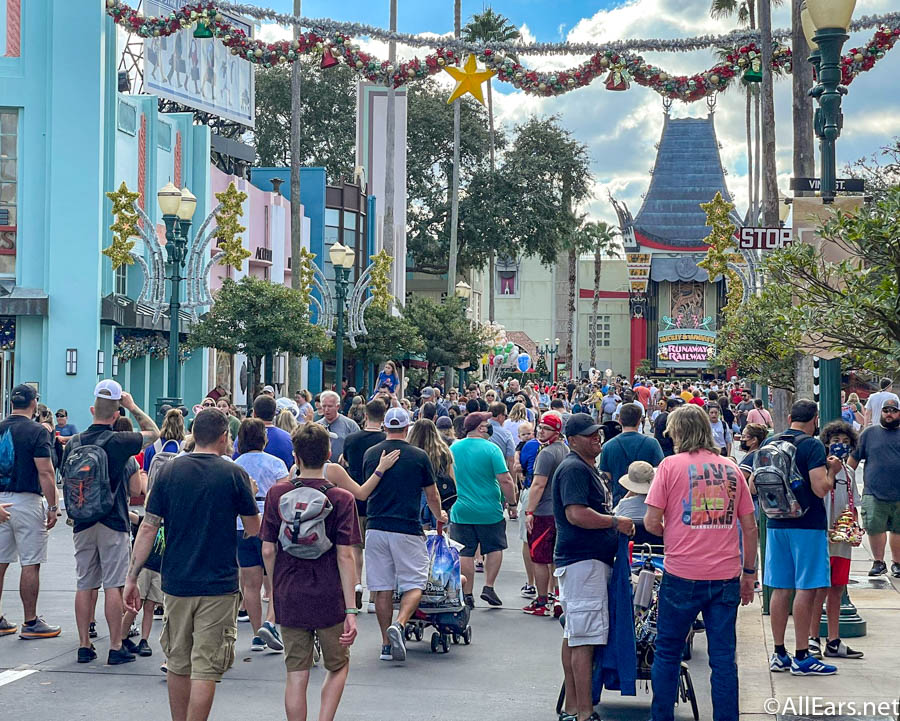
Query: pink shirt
[
  {"x": 758, "y": 415},
  {"x": 701, "y": 495}
]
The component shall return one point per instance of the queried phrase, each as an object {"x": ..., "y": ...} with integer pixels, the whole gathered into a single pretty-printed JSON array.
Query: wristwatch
[
  {"x": 749, "y": 571},
  {"x": 615, "y": 523},
  {"x": 54, "y": 509}
]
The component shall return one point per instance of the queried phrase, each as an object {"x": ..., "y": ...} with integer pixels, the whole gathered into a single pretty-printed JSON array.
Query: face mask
[
  {"x": 841, "y": 450},
  {"x": 490, "y": 430},
  {"x": 816, "y": 432},
  {"x": 744, "y": 446},
  {"x": 891, "y": 424}
]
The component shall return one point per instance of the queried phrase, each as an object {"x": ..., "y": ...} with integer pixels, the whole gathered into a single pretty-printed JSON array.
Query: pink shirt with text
[{"x": 702, "y": 495}]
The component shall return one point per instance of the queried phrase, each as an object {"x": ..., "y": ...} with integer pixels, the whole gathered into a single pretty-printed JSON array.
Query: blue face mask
[{"x": 841, "y": 450}]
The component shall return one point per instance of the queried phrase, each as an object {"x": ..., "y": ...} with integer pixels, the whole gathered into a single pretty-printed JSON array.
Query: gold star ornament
[
  {"x": 126, "y": 226},
  {"x": 469, "y": 80}
]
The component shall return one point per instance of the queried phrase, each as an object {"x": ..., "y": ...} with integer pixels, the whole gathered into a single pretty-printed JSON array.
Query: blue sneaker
[
  {"x": 811, "y": 666},
  {"x": 779, "y": 663},
  {"x": 270, "y": 635}
]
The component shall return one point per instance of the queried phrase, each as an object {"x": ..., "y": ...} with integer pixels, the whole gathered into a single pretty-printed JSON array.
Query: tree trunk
[
  {"x": 595, "y": 304},
  {"x": 770, "y": 176},
  {"x": 781, "y": 407},
  {"x": 390, "y": 131},
  {"x": 492, "y": 257},
  {"x": 570, "y": 315},
  {"x": 294, "y": 368},
  {"x": 252, "y": 378},
  {"x": 454, "y": 197},
  {"x": 757, "y": 162},
  {"x": 802, "y": 79}
]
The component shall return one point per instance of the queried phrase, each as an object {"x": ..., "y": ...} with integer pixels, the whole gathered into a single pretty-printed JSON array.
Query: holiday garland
[
  {"x": 137, "y": 345},
  {"x": 7, "y": 333},
  {"x": 617, "y": 66}
]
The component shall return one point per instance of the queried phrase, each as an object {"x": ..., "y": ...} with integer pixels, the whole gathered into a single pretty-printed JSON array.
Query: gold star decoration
[
  {"x": 229, "y": 229},
  {"x": 722, "y": 250},
  {"x": 379, "y": 281},
  {"x": 307, "y": 274},
  {"x": 124, "y": 227},
  {"x": 469, "y": 80}
]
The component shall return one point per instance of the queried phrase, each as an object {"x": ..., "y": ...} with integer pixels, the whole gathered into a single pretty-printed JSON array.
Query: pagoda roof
[{"x": 688, "y": 171}]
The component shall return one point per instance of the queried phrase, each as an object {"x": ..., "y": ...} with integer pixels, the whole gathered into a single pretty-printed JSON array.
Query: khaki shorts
[
  {"x": 880, "y": 516},
  {"x": 198, "y": 635},
  {"x": 101, "y": 557},
  {"x": 24, "y": 536},
  {"x": 583, "y": 597},
  {"x": 149, "y": 585},
  {"x": 298, "y": 648}
]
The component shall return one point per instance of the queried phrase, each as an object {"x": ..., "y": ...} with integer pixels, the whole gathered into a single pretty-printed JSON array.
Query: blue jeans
[{"x": 680, "y": 600}]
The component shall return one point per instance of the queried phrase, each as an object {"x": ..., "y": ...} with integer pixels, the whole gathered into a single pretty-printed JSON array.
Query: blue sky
[{"x": 545, "y": 18}]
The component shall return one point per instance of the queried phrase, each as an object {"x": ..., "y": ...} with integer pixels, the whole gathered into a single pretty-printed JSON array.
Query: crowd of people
[{"x": 287, "y": 517}]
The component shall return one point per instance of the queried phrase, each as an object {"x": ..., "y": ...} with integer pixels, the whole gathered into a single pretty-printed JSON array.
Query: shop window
[
  {"x": 599, "y": 331},
  {"x": 9, "y": 177}
]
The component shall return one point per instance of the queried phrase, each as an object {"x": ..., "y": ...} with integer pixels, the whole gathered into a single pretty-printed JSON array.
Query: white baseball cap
[
  {"x": 269, "y": 389},
  {"x": 396, "y": 418},
  {"x": 108, "y": 389}
]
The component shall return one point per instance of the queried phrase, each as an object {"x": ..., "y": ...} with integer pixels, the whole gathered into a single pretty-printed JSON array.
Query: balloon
[
  {"x": 523, "y": 362},
  {"x": 509, "y": 347},
  {"x": 498, "y": 360}
]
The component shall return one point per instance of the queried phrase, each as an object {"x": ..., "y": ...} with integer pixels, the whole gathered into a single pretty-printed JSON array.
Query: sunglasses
[
  {"x": 890, "y": 409},
  {"x": 60, "y": 415}
]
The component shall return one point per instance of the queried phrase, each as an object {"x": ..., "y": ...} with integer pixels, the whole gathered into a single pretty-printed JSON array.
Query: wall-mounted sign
[
  {"x": 764, "y": 238},
  {"x": 685, "y": 347}
]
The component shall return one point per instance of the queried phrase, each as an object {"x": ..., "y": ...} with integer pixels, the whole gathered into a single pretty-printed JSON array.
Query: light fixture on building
[
  {"x": 71, "y": 361},
  {"x": 101, "y": 362},
  {"x": 115, "y": 365},
  {"x": 463, "y": 290}
]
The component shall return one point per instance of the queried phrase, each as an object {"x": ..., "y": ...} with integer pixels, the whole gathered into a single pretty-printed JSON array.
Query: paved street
[{"x": 511, "y": 672}]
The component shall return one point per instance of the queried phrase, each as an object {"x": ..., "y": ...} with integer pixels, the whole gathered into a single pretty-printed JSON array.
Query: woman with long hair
[
  {"x": 286, "y": 421},
  {"x": 424, "y": 434},
  {"x": 517, "y": 416},
  {"x": 171, "y": 437}
]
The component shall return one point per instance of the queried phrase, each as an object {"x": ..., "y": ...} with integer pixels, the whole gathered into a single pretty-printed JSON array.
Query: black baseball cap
[
  {"x": 22, "y": 395},
  {"x": 581, "y": 424}
]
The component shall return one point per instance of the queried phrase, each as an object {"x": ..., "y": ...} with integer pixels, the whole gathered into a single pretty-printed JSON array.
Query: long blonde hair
[
  {"x": 518, "y": 412},
  {"x": 689, "y": 428},
  {"x": 424, "y": 435},
  {"x": 173, "y": 426},
  {"x": 286, "y": 421}
]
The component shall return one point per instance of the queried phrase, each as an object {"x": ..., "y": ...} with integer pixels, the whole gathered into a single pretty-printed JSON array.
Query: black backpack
[
  {"x": 447, "y": 490},
  {"x": 85, "y": 479}
]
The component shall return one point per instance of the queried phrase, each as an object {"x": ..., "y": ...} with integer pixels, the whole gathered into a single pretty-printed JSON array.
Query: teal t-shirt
[{"x": 479, "y": 499}]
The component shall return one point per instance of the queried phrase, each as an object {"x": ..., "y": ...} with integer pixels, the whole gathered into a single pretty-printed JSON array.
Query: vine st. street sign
[{"x": 842, "y": 185}]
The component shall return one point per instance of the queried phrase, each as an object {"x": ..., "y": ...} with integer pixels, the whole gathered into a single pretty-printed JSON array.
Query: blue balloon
[{"x": 523, "y": 362}]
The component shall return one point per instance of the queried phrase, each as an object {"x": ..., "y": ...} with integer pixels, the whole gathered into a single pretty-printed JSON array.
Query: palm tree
[
  {"x": 490, "y": 27},
  {"x": 586, "y": 235},
  {"x": 605, "y": 239}
]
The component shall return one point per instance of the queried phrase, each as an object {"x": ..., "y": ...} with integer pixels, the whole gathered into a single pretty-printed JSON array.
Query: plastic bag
[{"x": 444, "y": 585}]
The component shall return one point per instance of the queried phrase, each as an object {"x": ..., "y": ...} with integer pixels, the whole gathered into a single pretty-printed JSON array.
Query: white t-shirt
[{"x": 876, "y": 401}]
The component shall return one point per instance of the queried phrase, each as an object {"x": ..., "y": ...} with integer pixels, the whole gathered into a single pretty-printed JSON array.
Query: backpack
[
  {"x": 303, "y": 511},
  {"x": 159, "y": 460},
  {"x": 777, "y": 477},
  {"x": 7, "y": 458},
  {"x": 447, "y": 490},
  {"x": 85, "y": 473}
]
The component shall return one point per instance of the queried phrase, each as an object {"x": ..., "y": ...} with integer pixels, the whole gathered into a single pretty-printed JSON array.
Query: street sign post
[
  {"x": 764, "y": 238},
  {"x": 842, "y": 185}
]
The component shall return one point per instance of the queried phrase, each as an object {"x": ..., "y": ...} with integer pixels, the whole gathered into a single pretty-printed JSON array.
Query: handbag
[{"x": 844, "y": 528}]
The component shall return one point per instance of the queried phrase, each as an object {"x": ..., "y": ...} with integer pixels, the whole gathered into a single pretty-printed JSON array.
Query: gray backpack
[
  {"x": 159, "y": 461},
  {"x": 303, "y": 511},
  {"x": 85, "y": 479}
]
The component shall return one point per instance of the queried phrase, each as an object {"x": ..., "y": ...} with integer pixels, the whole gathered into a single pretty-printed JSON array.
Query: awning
[
  {"x": 23, "y": 301},
  {"x": 680, "y": 268},
  {"x": 120, "y": 310}
]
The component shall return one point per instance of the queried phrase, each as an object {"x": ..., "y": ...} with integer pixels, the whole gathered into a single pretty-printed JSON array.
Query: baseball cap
[
  {"x": 22, "y": 395},
  {"x": 639, "y": 477},
  {"x": 473, "y": 420},
  {"x": 396, "y": 418},
  {"x": 889, "y": 405},
  {"x": 269, "y": 389},
  {"x": 444, "y": 422},
  {"x": 428, "y": 392},
  {"x": 581, "y": 424},
  {"x": 554, "y": 420},
  {"x": 108, "y": 389}
]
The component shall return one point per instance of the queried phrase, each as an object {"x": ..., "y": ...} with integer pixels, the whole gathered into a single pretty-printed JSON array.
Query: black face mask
[
  {"x": 490, "y": 430},
  {"x": 891, "y": 424},
  {"x": 816, "y": 432},
  {"x": 744, "y": 446}
]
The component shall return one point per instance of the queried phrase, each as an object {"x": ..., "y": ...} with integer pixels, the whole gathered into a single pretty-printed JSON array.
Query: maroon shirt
[{"x": 308, "y": 592}]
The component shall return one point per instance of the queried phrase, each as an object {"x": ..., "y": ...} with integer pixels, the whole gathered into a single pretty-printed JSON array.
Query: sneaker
[
  {"x": 398, "y": 646},
  {"x": 118, "y": 656},
  {"x": 143, "y": 648},
  {"x": 359, "y": 596},
  {"x": 38, "y": 628},
  {"x": 133, "y": 632},
  {"x": 6, "y": 627},
  {"x": 129, "y": 646},
  {"x": 879, "y": 568},
  {"x": 243, "y": 616},
  {"x": 370, "y": 608},
  {"x": 92, "y": 630},
  {"x": 537, "y": 608},
  {"x": 469, "y": 600},
  {"x": 163, "y": 667},
  {"x": 779, "y": 663},
  {"x": 257, "y": 644},
  {"x": 557, "y": 609},
  {"x": 488, "y": 594},
  {"x": 158, "y": 611},
  {"x": 895, "y": 569},
  {"x": 810, "y": 666},
  {"x": 529, "y": 591},
  {"x": 386, "y": 653},
  {"x": 86, "y": 655},
  {"x": 270, "y": 635},
  {"x": 479, "y": 567},
  {"x": 698, "y": 625},
  {"x": 815, "y": 647},
  {"x": 841, "y": 650}
]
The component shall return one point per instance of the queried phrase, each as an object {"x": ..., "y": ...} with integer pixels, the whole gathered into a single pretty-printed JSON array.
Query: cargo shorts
[
  {"x": 198, "y": 635},
  {"x": 299, "y": 646}
]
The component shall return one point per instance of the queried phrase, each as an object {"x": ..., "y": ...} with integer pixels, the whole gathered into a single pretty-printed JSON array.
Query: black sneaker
[
  {"x": 118, "y": 656},
  {"x": 129, "y": 646},
  {"x": 488, "y": 594},
  {"x": 143, "y": 648},
  {"x": 86, "y": 655},
  {"x": 92, "y": 630},
  {"x": 895, "y": 569},
  {"x": 879, "y": 568},
  {"x": 243, "y": 616},
  {"x": 158, "y": 611},
  {"x": 469, "y": 600}
]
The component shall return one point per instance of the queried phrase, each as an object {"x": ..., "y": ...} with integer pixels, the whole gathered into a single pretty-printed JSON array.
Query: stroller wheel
[
  {"x": 467, "y": 635},
  {"x": 687, "y": 691},
  {"x": 445, "y": 642},
  {"x": 455, "y": 638},
  {"x": 435, "y": 642},
  {"x": 419, "y": 632},
  {"x": 688, "y": 648},
  {"x": 408, "y": 632}
]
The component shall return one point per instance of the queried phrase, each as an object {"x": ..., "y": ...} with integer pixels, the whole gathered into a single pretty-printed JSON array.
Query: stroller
[{"x": 441, "y": 607}]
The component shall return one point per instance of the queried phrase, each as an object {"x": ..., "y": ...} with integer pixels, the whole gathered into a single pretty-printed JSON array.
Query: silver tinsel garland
[{"x": 702, "y": 42}]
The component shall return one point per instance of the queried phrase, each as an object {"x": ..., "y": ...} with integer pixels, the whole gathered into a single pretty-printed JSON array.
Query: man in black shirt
[
  {"x": 26, "y": 478},
  {"x": 355, "y": 447},
  {"x": 102, "y": 547},
  {"x": 659, "y": 427},
  {"x": 199, "y": 495}
]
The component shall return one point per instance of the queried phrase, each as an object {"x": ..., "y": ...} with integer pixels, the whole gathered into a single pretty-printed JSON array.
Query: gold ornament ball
[
  {"x": 411, "y": 72},
  {"x": 858, "y": 57},
  {"x": 390, "y": 69},
  {"x": 663, "y": 77},
  {"x": 220, "y": 18},
  {"x": 282, "y": 59},
  {"x": 110, "y": 3},
  {"x": 542, "y": 86},
  {"x": 519, "y": 76},
  {"x": 604, "y": 62},
  {"x": 714, "y": 79},
  {"x": 440, "y": 61},
  {"x": 742, "y": 62},
  {"x": 359, "y": 63},
  {"x": 571, "y": 81},
  {"x": 258, "y": 52}
]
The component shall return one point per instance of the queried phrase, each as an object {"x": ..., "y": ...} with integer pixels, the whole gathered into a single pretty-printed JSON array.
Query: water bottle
[{"x": 643, "y": 592}]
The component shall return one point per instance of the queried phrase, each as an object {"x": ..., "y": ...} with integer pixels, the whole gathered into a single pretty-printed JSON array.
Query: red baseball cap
[{"x": 554, "y": 420}]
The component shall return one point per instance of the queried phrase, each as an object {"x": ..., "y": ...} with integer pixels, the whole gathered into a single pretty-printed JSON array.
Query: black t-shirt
[
  {"x": 21, "y": 441},
  {"x": 728, "y": 417},
  {"x": 810, "y": 455},
  {"x": 355, "y": 447},
  {"x": 199, "y": 496},
  {"x": 395, "y": 502},
  {"x": 122, "y": 447},
  {"x": 575, "y": 483},
  {"x": 666, "y": 443}
]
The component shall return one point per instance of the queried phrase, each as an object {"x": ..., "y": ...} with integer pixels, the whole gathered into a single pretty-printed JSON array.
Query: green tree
[
  {"x": 605, "y": 243},
  {"x": 258, "y": 318},
  {"x": 450, "y": 338},
  {"x": 389, "y": 337}
]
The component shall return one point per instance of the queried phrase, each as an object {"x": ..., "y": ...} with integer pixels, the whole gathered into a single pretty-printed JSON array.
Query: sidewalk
[{"x": 859, "y": 686}]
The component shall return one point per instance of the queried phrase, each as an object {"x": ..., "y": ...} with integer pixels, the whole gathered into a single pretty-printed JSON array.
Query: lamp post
[
  {"x": 342, "y": 259},
  {"x": 551, "y": 350},
  {"x": 177, "y": 208},
  {"x": 464, "y": 290}
]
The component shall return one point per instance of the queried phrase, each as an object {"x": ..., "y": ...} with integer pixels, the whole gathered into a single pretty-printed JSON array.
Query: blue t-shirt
[
  {"x": 68, "y": 429},
  {"x": 621, "y": 452},
  {"x": 278, "y": 445},
  {"x": 152, "y": 450},
  {"x": 527, "y": 457},
  {"x": 266, "y": 470},
  {"x": 810, "y": 455}
]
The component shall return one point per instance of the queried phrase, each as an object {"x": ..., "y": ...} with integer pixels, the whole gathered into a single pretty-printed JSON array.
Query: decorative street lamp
[
  {"x": 177, "y": 208},
  {"x": 464, "y": 291},
  {"x": 342, "y": 259},
  {"x": 552, "y": 351}
]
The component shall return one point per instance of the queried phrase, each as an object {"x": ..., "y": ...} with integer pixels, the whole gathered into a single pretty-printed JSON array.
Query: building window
[
  {"x": 9, "y": 175},
  {"x": 122, "y": 280},
  {"x": 599, "y": 330},
  {"x": 507, "y": 281}
]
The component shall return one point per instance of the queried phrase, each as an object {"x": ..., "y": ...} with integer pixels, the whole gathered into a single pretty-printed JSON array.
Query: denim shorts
[
  {"x": 249, "y": 551},
  {"x": 797, "y": 558}
]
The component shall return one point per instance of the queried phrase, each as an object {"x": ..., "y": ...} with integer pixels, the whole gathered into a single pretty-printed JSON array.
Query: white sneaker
[{"x": 370, "y": 608}]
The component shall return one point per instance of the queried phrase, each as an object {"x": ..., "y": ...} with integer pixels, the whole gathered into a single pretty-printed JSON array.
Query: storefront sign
[{"x": 685, "y": 347}]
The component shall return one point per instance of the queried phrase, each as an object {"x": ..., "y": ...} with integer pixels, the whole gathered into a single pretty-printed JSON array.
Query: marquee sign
[
  {"x": 764, "y": 238},
  {"x": 685, "y": 347}
]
